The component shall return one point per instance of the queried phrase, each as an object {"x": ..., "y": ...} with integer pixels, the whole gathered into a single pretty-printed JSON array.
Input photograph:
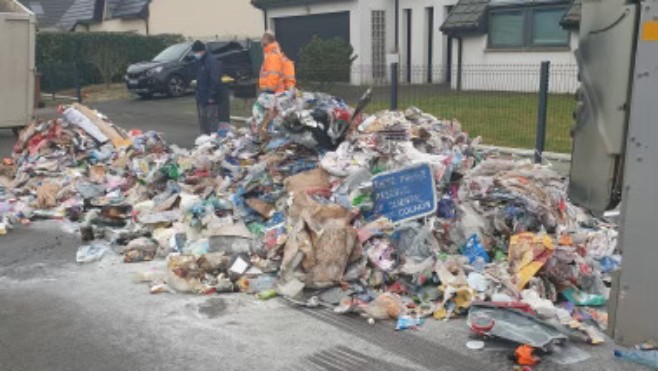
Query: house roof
[
  {"x": 265, "y": 4},
  {"x": 82, "y": 11},
  {"x": 467, "y": 15},
  {"x": 571, "y": 19},
  {"x": 470, "y": 15},
  {"x": 48, "y": 12},
  {"x": 91, "y": 11},
  {"x": 128, "y": 8}
]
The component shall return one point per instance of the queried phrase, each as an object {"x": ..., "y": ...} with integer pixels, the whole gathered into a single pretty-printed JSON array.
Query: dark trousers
[{"x": 208, "y": 118}]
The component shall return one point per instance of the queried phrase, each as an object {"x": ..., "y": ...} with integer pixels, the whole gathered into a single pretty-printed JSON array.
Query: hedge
[
  {"x": 92, "y": 57},
  {"x": 325, "y": 60}
]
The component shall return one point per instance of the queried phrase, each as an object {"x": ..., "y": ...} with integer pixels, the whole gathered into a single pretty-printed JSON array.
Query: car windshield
[{"x": 172, "y": 53}]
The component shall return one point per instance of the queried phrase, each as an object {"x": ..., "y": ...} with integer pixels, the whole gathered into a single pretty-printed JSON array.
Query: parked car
[{"x": 173, "y": 71}]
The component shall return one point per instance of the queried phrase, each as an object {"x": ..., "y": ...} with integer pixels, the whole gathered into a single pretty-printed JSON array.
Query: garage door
[{"x": 295, "y": 32}]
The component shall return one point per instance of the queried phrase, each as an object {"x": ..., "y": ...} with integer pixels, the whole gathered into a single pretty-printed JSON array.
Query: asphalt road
[{"x": 58, "y": 315}]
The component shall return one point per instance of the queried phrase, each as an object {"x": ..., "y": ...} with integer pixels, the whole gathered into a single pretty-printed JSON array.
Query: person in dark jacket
[{"x": 208, "y": 88}]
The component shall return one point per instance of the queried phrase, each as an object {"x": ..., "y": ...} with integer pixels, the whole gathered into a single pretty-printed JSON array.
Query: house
[
  {"x": 432, "y": 39},
  {"x": 506, "y": 40},
  {"x": 201, "y": 19},
  {"x": 48, "y": 12},
  {"x": 376, "y": 29}
]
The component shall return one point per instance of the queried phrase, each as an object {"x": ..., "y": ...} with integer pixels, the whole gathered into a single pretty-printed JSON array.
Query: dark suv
[{"x": 172, "y": 71}]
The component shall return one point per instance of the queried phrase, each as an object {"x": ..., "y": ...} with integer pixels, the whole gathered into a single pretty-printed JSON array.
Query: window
[
  {"x": 506, "y": 29},
  {"x": 534, "y": 27},
  {"x": 378, "y": 44},
  {"x": 546, "y": 28}
]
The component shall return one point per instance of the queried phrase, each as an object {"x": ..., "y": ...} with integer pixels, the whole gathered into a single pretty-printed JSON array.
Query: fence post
[
  {"x": 540, "y": 139},
  {"x": 76, "y": 77},
  {"x": 394, "y": 86}
]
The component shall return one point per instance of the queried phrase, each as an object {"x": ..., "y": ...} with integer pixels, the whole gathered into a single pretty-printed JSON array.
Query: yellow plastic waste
[{"x": 528, "y": 253}]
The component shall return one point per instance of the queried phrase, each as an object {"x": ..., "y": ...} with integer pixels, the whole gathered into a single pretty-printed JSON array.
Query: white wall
[
  {"x": 360, "y": 28},
  {"x": 17, "y": 34},
  {"x": 115, "y": 25},
  {"x": 499, "y": 70},
  {"x": 419, "y": 38},
  {"x": 205, "y": 18}
]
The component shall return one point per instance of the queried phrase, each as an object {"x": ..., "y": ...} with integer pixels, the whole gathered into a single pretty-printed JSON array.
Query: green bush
[
  {"x": 92, "y": 57},
  {"x": 325, "y": 60}
]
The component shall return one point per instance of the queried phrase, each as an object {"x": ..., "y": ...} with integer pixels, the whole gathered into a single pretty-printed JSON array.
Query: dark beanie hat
[{"x": 198, "y": 46}]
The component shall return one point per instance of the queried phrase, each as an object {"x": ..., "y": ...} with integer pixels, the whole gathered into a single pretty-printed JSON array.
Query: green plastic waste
[
  {"x": 171, "y": 170},
  {"x": 584, "y": 299},
  {"x": 267, "y": 294},
  {"x": 256, "y": 229}
]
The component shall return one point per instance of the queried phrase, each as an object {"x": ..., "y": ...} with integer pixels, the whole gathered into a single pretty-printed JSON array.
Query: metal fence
[{"x": 498, "y": 102}]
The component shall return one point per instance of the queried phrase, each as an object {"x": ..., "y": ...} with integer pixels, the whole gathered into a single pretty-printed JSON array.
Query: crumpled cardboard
[
  {"x": 265, "y": 209},
  {"x": 323, "y": 234},
  {"x": 97, "y": 174},
  {"x": 316, "y": 178},
  {"x": 47, "y": 195}
]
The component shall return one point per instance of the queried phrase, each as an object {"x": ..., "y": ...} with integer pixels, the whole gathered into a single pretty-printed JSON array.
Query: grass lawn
[{"x": 502, "y": 119}]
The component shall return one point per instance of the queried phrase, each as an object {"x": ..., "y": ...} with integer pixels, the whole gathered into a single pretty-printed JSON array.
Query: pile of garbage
[{"x": 396, "y": 215}]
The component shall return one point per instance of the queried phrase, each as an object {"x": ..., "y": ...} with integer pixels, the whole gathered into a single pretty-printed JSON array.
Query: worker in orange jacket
[
  {"x": 289, "y": 79},
  {"x": 272, "y": 71}
]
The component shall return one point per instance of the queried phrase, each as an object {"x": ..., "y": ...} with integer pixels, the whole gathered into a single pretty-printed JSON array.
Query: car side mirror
[{"x": 188, "y": 58}]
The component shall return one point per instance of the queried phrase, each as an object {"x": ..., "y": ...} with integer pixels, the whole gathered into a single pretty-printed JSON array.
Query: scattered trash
[
  {"x": 648, "y": 358},
  {"x": 90, "y": 253},
  {"x": 391, "y": 216},
  {"x": 475, "y": 344},
  {"x": 408, "y": 322},
  {"x": 524, "y": 356},
  {"x": 513, "y": 325}
]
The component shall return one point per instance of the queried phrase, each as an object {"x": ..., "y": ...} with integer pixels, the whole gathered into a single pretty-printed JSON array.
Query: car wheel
[
  {"x": 145, "y": 95},
  {"x": 175, "y": 86}
]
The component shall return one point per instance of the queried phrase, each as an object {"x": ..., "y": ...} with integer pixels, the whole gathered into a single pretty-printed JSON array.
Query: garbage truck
[
  {"x": 17, "y": 70},
  {"x": 615, "y": 150}
]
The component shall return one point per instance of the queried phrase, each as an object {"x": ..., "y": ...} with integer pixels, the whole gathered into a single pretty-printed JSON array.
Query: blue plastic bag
[
  {"x": 446, "y": 208},
  {"x": 473, "y": 249},
  {"x": 407, "y": 322}
]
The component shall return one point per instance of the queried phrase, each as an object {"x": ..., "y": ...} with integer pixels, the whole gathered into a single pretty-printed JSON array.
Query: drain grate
[{"x": 341, "y": 358}]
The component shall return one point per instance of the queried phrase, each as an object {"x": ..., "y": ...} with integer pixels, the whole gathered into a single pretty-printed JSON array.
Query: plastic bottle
[{"x": 647, "y": 358}]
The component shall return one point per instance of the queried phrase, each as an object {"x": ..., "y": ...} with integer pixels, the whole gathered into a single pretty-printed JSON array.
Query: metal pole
[
  {"x": 394, "y": 86},
  {"x": 540, "y": 139},
  {"x": 460, "y": 61}
]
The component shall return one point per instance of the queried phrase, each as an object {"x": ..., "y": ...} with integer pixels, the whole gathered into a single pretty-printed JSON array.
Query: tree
[
  {"x": 107, "y": 56},
  {"x": 326, "y": 60}
]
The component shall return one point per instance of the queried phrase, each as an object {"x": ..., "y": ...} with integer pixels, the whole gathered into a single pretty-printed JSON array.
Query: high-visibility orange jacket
[
  {"x": 271, "y": 74},
  {"x": 289, "y": 79}
]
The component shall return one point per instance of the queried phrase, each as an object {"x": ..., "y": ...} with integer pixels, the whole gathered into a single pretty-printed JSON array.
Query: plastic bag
[
  {"x": 386, "y": 306},
  {"x": 140, "y": 249},
  {"x": 583, "y": 298},
  {"x": 90, "y": 253},
  {"x": 474, "y": 250},
  {"x": 408, "y": 322}
]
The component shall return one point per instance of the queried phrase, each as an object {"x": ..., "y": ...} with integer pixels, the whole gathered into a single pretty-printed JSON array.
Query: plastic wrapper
[
  {"x": 91, "y": 253},
  {"x": 408, "y": 322}
]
